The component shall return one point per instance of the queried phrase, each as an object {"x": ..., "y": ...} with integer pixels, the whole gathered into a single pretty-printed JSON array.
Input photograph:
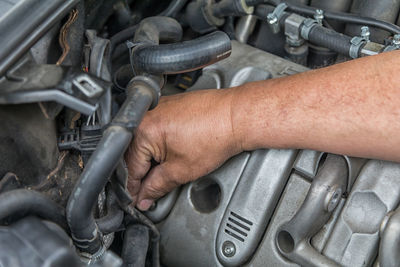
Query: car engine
[{"x": 76, "y": 79}]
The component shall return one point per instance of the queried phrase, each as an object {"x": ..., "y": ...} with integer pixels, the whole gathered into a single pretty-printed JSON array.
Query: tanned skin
[{"x": 351, "y": 108}]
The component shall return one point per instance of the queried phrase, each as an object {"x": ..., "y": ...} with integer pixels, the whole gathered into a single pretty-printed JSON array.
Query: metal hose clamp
[
  {"x": 274, "y": 17},
  {"x": 308, "y": 24},
  {"x": 357, "y": 43}
]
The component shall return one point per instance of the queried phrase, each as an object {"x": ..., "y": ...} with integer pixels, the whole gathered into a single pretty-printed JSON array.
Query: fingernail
[{"x": 145, "y": 204}]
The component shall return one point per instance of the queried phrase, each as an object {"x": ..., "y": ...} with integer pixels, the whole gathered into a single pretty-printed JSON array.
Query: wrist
[
  {"x": 255, "y": 111},
  {"x": 235, "y": 117}
]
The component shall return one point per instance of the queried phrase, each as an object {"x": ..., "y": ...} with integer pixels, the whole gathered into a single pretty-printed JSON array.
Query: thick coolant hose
[
  {"x": 152, "y": 30},
  {"x": 115, "y": 140},
  {"x": 19, "y": 203},
  {"x": 181, "y": 57}
]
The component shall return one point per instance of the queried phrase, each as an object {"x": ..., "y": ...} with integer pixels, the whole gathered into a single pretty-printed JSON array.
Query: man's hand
[
  {"x": 350, "y": 108},
  {"x": 188, "y": 135}
]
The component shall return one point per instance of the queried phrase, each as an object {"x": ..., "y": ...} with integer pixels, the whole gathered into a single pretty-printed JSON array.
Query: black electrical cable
[
  {"x": 117, "y": 39},
  {"x": 123, "y": 35},
  {"x": 173, "y": 9},
  {"x": 338, "y": 16}
]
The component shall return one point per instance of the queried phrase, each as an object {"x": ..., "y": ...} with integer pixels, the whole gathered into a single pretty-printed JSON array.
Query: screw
[
  {"x": 334, "y": 199},
  {"x": 365, "y": 33},
  {"x": 319, "y": 16},
  {"x": 228, "y": 249},
  {"x": 272, "y": 19},
  {"x": 396, "y": 40}
]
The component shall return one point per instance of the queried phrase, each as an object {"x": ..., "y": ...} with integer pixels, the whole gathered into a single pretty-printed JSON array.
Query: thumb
[{"x": 160, "y": 180}]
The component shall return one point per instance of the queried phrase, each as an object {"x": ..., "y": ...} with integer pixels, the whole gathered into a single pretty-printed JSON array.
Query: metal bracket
[
  {"x": 292, "y": 30},
  {"x": 274, "y": 17},
  {"x": 31, "y": 83}
]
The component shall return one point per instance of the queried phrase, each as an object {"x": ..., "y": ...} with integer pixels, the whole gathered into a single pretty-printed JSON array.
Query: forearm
[{"x": 351, "y": 108}]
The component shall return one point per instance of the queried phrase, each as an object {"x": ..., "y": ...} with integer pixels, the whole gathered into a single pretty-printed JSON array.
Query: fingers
[
  {"x": 138, "y": 161},
  {"x": 158, "y": 182}
]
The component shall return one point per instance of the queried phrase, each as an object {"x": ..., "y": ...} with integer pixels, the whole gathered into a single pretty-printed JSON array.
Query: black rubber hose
[
  {"x": 155, "y": 29},
  {"x": 20, "y": 203},
  {"x": 112, "y": 221},
  {"x": 262, "y": 11},
  {"x": 173, "y": 9},
  {"x": 93, "y": 179},
  {"x": 254, "y": 2},
  {"x": 134, "y": 216},
  {"x": 182, "y": 57},
  {"x": 226, "y": 8},
  {"x": 117, "y": 39},
  {"x": 102, "y": 163},
  {"x": 122, "y": 36},
  {"x": 155, "y": 254},
  {"x": 342, "y": 17},
  {"x": 150, "y": 29},
  {"x": 331, "y": 39},
  {"x": 135, "y": 245}
]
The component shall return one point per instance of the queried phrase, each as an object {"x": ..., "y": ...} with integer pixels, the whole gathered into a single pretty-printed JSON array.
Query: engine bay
[{"x": 76, "y": 80}]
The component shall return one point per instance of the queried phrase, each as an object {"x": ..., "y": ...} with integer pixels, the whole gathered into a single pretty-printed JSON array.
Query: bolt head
[
  {"x": 319, "y": 15},
  {"x": 228, "y": 249},
  {"x": 365, "y": 33},
  {"x": 334, "y": 200},
  {"x": 272, "y": 19},
  {"x": 396, "y": 39}
]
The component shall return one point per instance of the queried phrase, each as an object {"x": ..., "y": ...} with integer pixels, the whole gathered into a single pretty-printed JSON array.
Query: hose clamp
[
  {"x": 357, "y": 43},
  {"x": 308, "y": 24},
  {"x": 395, "y": 45},
  {"x": 274, "y": 17}
]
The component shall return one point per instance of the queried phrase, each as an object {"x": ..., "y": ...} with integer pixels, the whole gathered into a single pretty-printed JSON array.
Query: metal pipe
[{"x": 245, "y": 27}]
